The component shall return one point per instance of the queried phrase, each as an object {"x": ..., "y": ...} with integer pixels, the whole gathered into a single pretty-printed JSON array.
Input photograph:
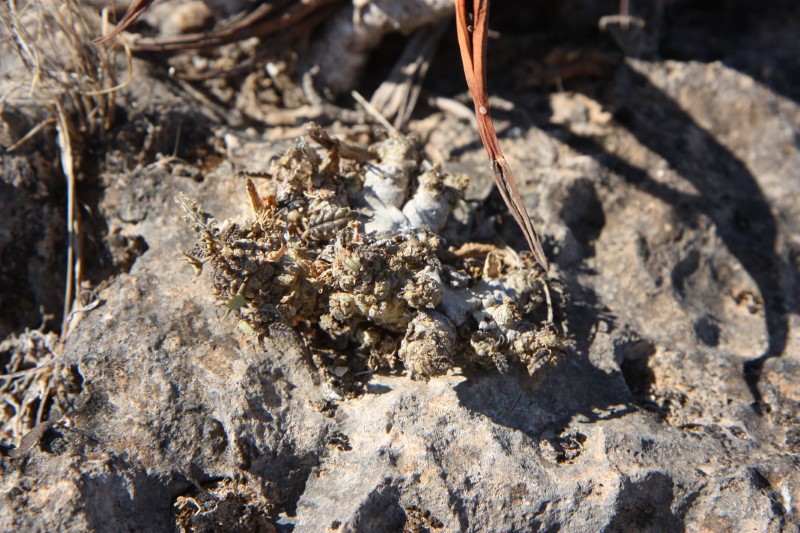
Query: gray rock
[{"x": 673, "y": 225}]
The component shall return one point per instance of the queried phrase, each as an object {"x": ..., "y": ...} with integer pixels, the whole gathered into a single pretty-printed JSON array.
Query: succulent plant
[{"x": 327, "y": 254}]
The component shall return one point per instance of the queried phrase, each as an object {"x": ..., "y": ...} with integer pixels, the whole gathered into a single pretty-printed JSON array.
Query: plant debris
[
  {"x": 224, "y": 505},
  {"x": 348, "y": 252},
  {"x": 473, "y": 32},
  {"x": 419, "y": 521},
  {"x": 34, "y": 385}
]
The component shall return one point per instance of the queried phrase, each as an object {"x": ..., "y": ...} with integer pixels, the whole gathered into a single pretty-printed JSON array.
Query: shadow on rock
[
  {"x": 645, "y": 505},
  {"x": 540, "y": 406},
  {"x": 768, "y": 28},
  {"x": 728, "y": 194}
]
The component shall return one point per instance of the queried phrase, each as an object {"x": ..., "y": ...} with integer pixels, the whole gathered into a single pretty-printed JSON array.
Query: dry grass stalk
[
  {"x": 50, "y": 39},
  {"x": 77, "y": 83},
  {"x": 472, "y": 26}
]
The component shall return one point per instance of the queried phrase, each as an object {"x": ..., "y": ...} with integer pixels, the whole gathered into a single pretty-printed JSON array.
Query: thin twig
[
  {"x": 14, "y": 375},
  {"x": 32, "y": 133},
  {"x": 133, "y": 13},
  {"x": 265, "y": 20},
  {"x": 43, "y": 398},
  {"x": 549, "y": 301},
  {"x": 120, "y": 86},
  {"x": 455, "y": 108},
  {"x": 374, "y": 113},
  {"x": 85, "y": 308},
  {"x": 397, "y": 96},
  {"x": 513, "y": 404}
]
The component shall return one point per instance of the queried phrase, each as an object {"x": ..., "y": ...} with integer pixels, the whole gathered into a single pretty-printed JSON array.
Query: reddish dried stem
[{"x": 472, "y": 40}]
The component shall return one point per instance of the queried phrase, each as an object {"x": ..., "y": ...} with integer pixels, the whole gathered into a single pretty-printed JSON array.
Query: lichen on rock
[{"x": 344, "y": 248}]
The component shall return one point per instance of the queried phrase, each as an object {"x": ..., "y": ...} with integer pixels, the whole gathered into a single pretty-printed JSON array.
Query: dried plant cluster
[
  {"x": 35, "y": 385},
  {"x": 343, "y": 247},
  {"x": 224, "y": 505},
  {"x": 61, "y": 68}
]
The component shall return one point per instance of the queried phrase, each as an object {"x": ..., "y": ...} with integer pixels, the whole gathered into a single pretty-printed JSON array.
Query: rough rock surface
[{"x": 668, "y": 200}]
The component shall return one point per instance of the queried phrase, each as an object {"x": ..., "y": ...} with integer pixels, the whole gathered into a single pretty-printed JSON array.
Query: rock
[{"x": 669, "y": 208}]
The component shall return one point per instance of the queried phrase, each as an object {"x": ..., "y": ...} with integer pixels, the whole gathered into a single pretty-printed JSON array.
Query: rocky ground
[{"x": 664, "y": 183}]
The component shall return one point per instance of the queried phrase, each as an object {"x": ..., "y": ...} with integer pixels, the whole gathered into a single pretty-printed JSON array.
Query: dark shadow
[
  {"x": 119, "y": 495},
  {"x": 381, "y": 511},
  {"x": 758, "y": 39},
  {"x": 376, "y": 388},
  {"x": 728, "y": 194},
  {"x": 542, "y": 407},
  {"x": 32, "y": 242},
  {"x": 645, "y": 505}
]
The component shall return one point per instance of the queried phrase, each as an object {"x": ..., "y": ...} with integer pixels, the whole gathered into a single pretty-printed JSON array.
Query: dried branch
[
  {"x": 278, "y": 17},
  {"x": 472, "y": 27}
]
